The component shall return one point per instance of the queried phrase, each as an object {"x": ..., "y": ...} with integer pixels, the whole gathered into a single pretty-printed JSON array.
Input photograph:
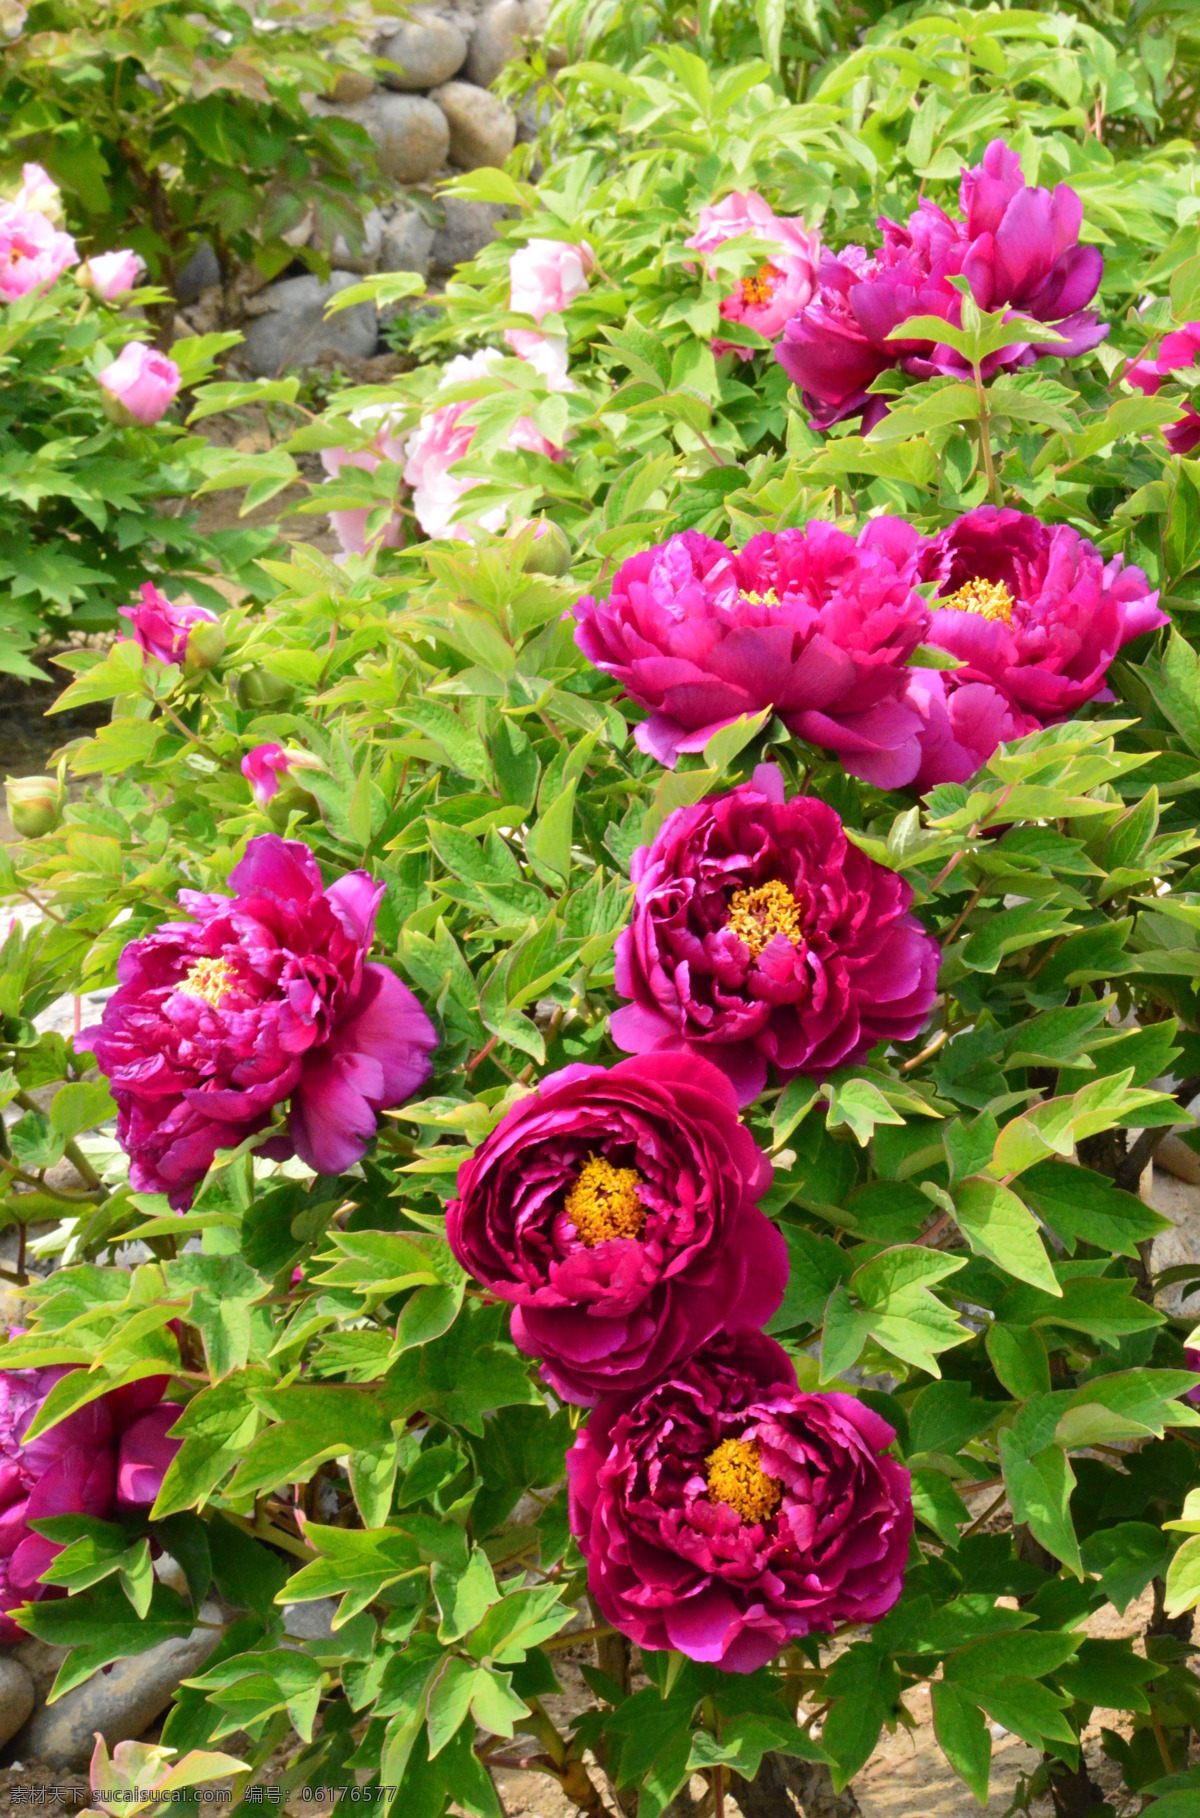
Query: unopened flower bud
[
  {"x": 205, "y": 646},
  {"x": 35, "y": 804},
  {"x": 550, "y": 552},
  {"x": 257, "y": 687}
]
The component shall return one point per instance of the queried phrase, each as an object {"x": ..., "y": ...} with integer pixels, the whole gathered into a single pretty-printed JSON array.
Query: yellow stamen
[
  {"x": 604, "y": 1202},
  {"x": 759, "y": 289},
  {"x": 757, "y": 916},
  {"x": 208, "y": 979},
  {"x": 990, "y": 599},
  {"x": 769, "y": 598},
  {"x": 736, "y": 1476}
]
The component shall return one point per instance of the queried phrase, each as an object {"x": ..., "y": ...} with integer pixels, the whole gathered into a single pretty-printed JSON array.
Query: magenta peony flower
[
  {"x": 33, "y": 253},
  {"x": 546, "y": 275},
  {"x": 1177, "y": 352},
  {"x": 350, "y": 526},
  {"x": 140, "y": 383},
  {"x": 1033, "y": 608},
  {"x": 262, "y": 996},
  {"x": 441, "y": 439},
  {"x": 615, "y": 1209},
  {"x": 71, "y": 1469},
  {"x": 169, "y": 633},
  {"x": 1191, "y": 1361},
  {"x": 815, "y": 623},
  {"x": 144, "y": 1455},
  {"x": 266, "y": 766},
  {"x": 1018, "y": 249},
  {"x": 111, "y": 275},
  {"x": 761, "y": 934},
  {"x": 782, "y": 285},
  {"x": 724, "y": 1513},
  {"x": 962, "y": 724}
]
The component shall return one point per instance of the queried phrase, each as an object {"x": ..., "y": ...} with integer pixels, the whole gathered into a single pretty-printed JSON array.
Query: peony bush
[{"x": 639, "y": 995}]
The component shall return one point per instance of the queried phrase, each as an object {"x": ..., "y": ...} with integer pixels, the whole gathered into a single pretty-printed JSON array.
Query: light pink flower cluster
[
  {"x": 33, "y": 252},
  {"x": 545, "y": 276},
  {"x": 443, "y": 438},
  {"x": 39, "y": 194},
  {"x": 350, "y": 526},
  {"x": 783, "y": 283}
]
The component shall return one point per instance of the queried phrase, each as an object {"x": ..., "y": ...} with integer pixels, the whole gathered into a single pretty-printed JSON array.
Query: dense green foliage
[{"x": 969, "y": 1253}]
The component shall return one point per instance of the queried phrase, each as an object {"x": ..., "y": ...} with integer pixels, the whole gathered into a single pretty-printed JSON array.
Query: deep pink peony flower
[
  {"x": 761, "y": 934},
  {"x": 815, "y": 623},
  {"x": 782, "y": 286},
  {"x": 71, "y": 1469},
  {"x": 1191, "y": 1361},
  {"x": 33, "y": 253},
  {"x": 1019, "y": 250},
  {"x": 724, "y": 1513},
  {"x": 615, "y": 1209},
  {"x": 266, "y": 767},
  {"x": 144, "y": 1455},
  {"x": 174, "y": 633},
  {"x": 1177, "y": 352},
  {"x": 962, "y": 724},
  {"x": 442, "y": 438},
  {"x": 1033, "y": 608},
  {"x": 262, "y": 996},
  {"x": 350, "y": 526},
  {"x": 141, "y": 383},
  {"x": 111, "y": 275},
  {"x": 547, "y": 275}
]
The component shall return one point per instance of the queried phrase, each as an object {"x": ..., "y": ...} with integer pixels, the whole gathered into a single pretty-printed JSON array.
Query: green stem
[{"x": 985, "y": 438}]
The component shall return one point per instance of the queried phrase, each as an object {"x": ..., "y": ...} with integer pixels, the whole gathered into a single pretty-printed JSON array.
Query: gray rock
[
  {"x": 470, "y": 226},
  {"x": 429, "y": 50},
  {"x": 120, "y": 1701},
  {"x": 353, "y": 85},
  {"x": 16, "y": 1696},
  {"x": 482, "y": 129},
  {"x": 294, "y": 331},
  {"x": 494, "y": 41},
  {"x": 41, "y": 1662},
  {"x": 407, "y": 243},
  {"x": 310, "y": 1621},
  {"x": 367, "y": 259},
  {"x": 410, "y": 134},
  {"x": 200, "y": 273}
]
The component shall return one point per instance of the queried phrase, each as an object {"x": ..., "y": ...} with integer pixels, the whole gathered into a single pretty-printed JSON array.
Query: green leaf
[
  {"x": 998, "y": 1226},
  {"x": 463, "y": 1597},
  {"x": 354, "y": 1563},
  {"x": 962, "y": 1731},
  {"x": 98, "y": 1626},
  {"x": 1039, "y": 1489}
]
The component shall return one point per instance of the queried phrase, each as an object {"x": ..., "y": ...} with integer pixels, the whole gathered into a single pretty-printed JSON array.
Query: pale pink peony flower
[
  {"x": 142, "y": 382},
  {"x": 110, "y": 275},
  {"x": 782, "y": 285},
  {"x": 441, "y": 439},
  {"x": 39, "y": 194},
  {"x": 350, "y": 526},
  {"x": 546, "y": 275},
  {"x": 547, "y": 354},
  {"x": 33, "y": 253}
]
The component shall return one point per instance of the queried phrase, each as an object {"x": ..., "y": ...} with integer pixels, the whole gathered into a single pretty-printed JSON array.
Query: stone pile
[{"x": 430, "y": 115}]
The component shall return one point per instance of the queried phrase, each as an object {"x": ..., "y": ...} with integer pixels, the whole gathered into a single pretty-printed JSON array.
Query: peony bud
[
  {"x": 110, "y": 276},
  {"x": 257, "y": 687},
  {"x": 205, "y": 646},
  {"x": 139, "y": 385},
  {"x": 550, "y": 552},
  {"x": 35, "y": 804}
]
